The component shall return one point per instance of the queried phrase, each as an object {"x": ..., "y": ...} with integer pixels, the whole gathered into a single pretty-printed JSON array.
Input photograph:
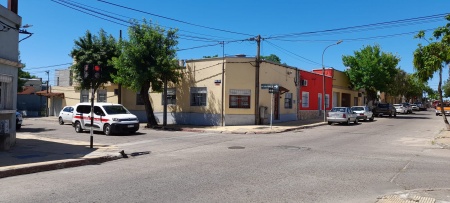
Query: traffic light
[
  {"x": 97, "y": 71},
  {"x": 87, "y": 71}
]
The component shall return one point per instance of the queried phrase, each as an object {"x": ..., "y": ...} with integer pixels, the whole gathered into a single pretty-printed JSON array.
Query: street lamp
[{"x": 323, "y": 77}]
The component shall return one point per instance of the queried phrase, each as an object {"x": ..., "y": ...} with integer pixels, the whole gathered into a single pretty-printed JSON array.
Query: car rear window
[
  {"x": 338, "y": 110},
  {"x": 84, "y": 109},
  {"x": 357, "y": 108},
  {"x": 383, "y": 105}
]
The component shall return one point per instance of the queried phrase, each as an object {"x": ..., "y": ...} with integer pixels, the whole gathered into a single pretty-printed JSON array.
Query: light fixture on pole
[{"x": 323, "y": 78}]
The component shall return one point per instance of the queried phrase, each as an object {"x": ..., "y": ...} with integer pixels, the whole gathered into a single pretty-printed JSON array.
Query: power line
[
  {"x": 396, "y": 23},
  {"x": 292, "y": 53},
  {"x": 172, "y": 19},
  {"x": 49, "y": 66},
  {"x": 98, "y": 9}
]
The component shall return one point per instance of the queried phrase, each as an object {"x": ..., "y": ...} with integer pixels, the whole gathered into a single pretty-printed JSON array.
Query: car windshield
[
  {"x": 383, "y": 105},
  {"x": 115, "y": 109},
  {"x": 338, "y": 110},
  {"x": 358, "y": 108},
  {"x": 397, "y": 105}
]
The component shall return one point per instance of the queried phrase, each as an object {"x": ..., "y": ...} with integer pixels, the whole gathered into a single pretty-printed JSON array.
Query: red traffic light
[{"x": 97, "y": 68}]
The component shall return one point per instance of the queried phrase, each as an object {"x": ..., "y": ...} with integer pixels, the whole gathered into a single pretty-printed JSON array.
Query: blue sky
[{"x": 291, "y": 29}]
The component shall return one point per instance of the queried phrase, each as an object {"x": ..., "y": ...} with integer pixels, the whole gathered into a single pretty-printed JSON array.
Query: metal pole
[
  {"x": 165, "y": 103},
  {"x": 92, "y": 116},
  {"x": 48, "y": 79},
  {"x": 323, "y": 77}
]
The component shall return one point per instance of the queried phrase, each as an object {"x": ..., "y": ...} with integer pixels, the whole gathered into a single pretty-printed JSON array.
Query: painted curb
[{"x": 52, "y": 165}]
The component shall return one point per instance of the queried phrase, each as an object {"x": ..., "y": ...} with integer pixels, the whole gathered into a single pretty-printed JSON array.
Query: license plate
[{"x": 130, "y": 126}]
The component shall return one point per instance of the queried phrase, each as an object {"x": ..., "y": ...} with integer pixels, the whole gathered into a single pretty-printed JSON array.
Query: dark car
[{"x": 384, "y": 109}]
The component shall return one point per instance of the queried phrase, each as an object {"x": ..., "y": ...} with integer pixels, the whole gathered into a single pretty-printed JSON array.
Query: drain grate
[{"x": 236, "y": 147}]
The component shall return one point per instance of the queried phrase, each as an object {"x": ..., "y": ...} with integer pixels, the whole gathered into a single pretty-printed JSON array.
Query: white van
[{"x": 109, "y": 118}]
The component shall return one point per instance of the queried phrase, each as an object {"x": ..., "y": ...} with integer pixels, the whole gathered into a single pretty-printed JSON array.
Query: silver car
[
  {"x": 342, "y": 115},
  {"x": 363, "y": 113}
]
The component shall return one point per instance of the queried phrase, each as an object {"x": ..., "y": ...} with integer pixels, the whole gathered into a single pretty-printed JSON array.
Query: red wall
[{"x": 315, "y": 86}]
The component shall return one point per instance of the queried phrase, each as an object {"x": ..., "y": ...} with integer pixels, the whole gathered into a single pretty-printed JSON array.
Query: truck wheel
[
  {"x": 348, "y": 122},
  {"x": 329, "y": 123},
  {"x": 356, "y": 121},
  {"x": 371, "y": 118},
  {"x": 78, "y": 128}
]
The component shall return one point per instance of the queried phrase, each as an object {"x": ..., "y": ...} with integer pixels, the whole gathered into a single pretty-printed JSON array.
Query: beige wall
[{"x": 341, "y": 85}]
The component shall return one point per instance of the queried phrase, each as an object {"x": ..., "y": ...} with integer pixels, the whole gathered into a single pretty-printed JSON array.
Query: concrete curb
[{"x": 23, "y": 169}]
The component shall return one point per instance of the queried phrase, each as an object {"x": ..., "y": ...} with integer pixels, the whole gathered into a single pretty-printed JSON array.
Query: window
[
  {"x": 198, "y": 96},
  {"x": 171, "y": 97},
  {"x": 288, "y": 100},
  {"x": 240, "y": 98},
  {"x": 5, "y": 92},
  {"x": 101, "y": 95},
  {"x": 305, "y": 99},
  {"x": 84, "y": 96},
  {"x": 139, "y": 100},
  {"x": 327, "y": 100}
]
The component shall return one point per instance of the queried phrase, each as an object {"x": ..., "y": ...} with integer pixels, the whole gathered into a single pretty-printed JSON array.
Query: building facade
[
  {"x": 9, "y": 65},
  {"x": 311, "y": 91}
]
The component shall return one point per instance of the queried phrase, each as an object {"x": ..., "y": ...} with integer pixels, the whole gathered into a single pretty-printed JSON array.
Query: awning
[
  {"x": 282, "y": 90},
  {"x": 50, "y": 94}
]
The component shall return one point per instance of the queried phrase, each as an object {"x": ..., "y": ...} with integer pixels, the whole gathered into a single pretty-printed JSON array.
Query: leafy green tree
[
  {"x": 372, "y": 70},
  {"x": 147, "y": 60},
  {"x": 400, "y": 83},
  {"x": 207, "y": 57},
  {"x": 94, "y": 50},
  {"x": 446, "y": 88},
  {"x": 433, "y": 58},
  {"x": 271, "y": 57},
  {"x": 23, "y": 74},
  {"x": 415, "y": 87}
]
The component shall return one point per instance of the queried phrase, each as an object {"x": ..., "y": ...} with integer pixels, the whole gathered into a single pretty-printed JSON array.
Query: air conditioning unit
[{"x": 303, "y": 82}]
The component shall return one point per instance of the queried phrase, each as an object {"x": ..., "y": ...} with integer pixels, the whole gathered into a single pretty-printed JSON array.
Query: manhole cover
[
  {"x": 293, "y": 147},
  {"x": 236, "y": 147}
]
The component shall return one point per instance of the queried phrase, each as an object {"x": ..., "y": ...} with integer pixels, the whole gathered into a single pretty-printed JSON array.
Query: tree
[
  {"x": 94, "y": 50},
  {"x": 446, "y": 88},
  {"x": 20, "y": 82},
  {"x": 271, "y": 57},
  {"x": 372, "y": 70},
  {"x": 208, "y": 57},
  {"x": 147, "y": 60},
  {"x": 400, "y": 83},
  {"x": 433, "y": 58}
]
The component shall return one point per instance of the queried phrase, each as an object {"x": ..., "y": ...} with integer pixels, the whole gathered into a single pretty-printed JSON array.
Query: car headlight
[{"x": 116, "y": 119}]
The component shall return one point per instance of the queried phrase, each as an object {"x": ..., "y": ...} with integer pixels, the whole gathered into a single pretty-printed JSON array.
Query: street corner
[
  {"x": 443, "y": 139},
  {"x": 430, "y": 195}
]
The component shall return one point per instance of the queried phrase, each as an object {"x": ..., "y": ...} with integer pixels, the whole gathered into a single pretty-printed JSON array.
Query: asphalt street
[{"x": 337, "y": 163}]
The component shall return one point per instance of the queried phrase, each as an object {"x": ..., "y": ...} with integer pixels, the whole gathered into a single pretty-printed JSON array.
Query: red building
[{"x": 311, "y": 91}]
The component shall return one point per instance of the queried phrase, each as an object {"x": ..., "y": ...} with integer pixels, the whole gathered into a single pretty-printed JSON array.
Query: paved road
[{"x": 338, "y": 163}]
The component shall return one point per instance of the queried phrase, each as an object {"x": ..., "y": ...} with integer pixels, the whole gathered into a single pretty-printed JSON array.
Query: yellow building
[
  {"x": 213, "y": 91},
  {"x": 343, "y": 93}
]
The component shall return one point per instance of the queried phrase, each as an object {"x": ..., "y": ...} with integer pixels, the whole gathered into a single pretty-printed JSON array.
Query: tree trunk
[
  {"x": 371, "y": 95},
  {"x": 151, "y": 119},
  {"x": 441, "y": 100}
]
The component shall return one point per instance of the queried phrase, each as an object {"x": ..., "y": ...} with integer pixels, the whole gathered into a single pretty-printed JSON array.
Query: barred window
[
  {"x": 305, "y": 99},
  {"x": 240, "y": 98},
  {"x": 84, "y": 96},
  {"x": 288, "y": 100},
  {"x": 101, "y": 95},
  {"x": 198, "y": 96}
]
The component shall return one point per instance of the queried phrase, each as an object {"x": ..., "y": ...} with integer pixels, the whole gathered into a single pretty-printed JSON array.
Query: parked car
[
  {"x": 421, "y": 106},
  {"x": 65, "y": 115},
  {"x": 401, "y": 108},
  {"x": 108, "y": 118},
  {"x": 384, "y": 109},
  {"x": 363, "y": 113},
  {"x": 342, "y": 115},
  {"x": 19, "y": 120},
  {"x": 408, "y": 107},
  {"x": 414, "y": 107}
]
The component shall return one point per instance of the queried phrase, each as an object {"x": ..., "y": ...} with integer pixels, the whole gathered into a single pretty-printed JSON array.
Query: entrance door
[
  {"x": 276, "y": 106},
  {"x": 345, "y": 102}
]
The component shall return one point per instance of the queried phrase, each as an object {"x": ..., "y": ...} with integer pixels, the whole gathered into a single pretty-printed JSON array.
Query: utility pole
[
  {"x": 222, "y": 117},
  {"x": 258, "y": 48},
  {"x": 119, "y": 88},
  {"x": 48, "y": 79}
]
